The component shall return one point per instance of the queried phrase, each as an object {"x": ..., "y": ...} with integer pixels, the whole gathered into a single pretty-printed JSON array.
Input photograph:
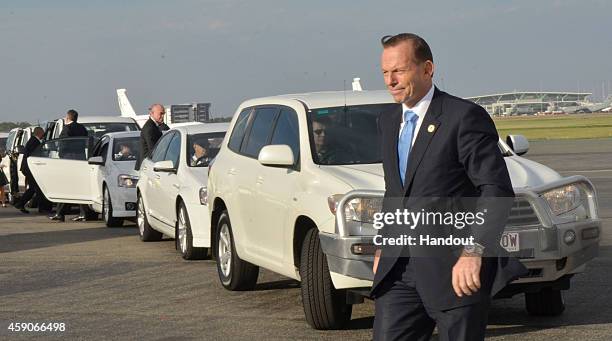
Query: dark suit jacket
[
  {"x": 73, "y": 129},
  {"x": 32, "y": 143},
  {"x": 457, "y": 157},
  {"x": 149, "y": 135}
]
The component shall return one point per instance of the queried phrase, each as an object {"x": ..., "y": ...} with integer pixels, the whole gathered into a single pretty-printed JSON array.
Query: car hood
[
  {"x": 523, "y": 174},
  {"x": 126, "y": 167}
]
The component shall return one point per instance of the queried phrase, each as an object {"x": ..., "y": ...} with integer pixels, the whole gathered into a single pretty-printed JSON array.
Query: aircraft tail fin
[{"x": 124, "y": 104}]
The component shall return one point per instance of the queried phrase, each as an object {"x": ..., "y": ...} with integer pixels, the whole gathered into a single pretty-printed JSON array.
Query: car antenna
[{"x": 344, "y": 91}]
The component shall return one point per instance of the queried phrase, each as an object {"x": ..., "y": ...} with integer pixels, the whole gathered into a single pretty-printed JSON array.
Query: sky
[{"x": 61, "y": 54}]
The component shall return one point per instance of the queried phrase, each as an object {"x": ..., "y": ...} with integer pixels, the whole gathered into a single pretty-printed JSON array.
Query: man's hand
[
  {"x": 376, "y": 259},
  {"x": 466, "y": 274}
]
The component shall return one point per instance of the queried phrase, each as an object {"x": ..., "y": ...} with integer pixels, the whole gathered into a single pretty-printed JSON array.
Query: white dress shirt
[{"x": 420, "y": 109}]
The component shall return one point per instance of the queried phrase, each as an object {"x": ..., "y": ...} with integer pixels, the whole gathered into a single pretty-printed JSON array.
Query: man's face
[
  {"x": 407, "y": 80},
  {"x": 157, "y": 114},
  {"x": 318, "y": 130},
  {"x": 199, "y": 151}
]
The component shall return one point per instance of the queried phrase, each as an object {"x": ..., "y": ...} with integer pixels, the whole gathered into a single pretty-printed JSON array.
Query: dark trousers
[
  {"x": 29, "y": 193},
  {"x": 401, "y": 315}
]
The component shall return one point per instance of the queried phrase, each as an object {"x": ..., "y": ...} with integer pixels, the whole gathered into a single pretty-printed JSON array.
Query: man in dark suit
[
  {"x": 436, "y": 146},
  {"x": 33, "y": 188},
  {"x": 151, "y": 132},
  {"x": 71, "y": 129}
]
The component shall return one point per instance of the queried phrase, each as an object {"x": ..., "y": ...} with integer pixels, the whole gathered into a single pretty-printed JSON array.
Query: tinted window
[
  {"x": 202, "y": 148},
  {"x": 160, "y": 148},
  {"x": 238, "y": 132},
  {"x": 70, "y": 148},
  {"x": 346, "y": 135},
  {"x": 286, "y": 131},
  {"x": 126, "y": 149},
  {"x": 174, "y": 150},
  {"x": 260, "y": 131}
]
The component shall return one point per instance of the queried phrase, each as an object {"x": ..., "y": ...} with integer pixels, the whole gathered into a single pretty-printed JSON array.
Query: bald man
[{"x": 151, "y": 132}]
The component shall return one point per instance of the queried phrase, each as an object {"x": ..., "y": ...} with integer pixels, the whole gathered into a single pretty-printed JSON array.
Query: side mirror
[
  {"x": 278, "y": 155},
  {"x": 164, "y": 166},
  {"x": 96, "y": 160},
  {"x": 518, "y": 143}
]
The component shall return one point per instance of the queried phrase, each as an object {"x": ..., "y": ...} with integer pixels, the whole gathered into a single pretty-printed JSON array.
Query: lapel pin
[{"x": 431, "y": 128}]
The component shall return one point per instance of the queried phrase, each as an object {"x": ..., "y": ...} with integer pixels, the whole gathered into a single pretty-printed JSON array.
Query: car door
[
  {"x": 99, "y": 172},
  {"x": 152, "y": 184},
  {"x": 253, "y": 225},
  {"x": 169, "y": 183},
  {"x": 275, "y": 191},
  {"x": 61, "y": 170}
]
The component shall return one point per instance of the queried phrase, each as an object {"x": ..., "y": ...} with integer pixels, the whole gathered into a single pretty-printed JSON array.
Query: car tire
[
  {"x": 107, "y": 210},
  {"x": 147, "y": 233},
  {"x": 184, "y": 236},
  {"x": 325, "y": 307},
  {"x": 548, "y": 302},
  {"x": 234, "y": 273}
]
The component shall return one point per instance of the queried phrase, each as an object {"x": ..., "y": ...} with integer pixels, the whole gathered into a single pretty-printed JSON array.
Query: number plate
[{"x": 510, "y": 241}]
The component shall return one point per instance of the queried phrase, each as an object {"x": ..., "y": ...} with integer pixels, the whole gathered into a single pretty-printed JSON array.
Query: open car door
[{"x": 61, "y": 170}]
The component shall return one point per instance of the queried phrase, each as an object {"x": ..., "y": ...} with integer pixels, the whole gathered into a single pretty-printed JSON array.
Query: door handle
[
  {"x": 176, "y": 186},
  {"x": 157, "y": 176},
  {"x": 231, "y": 171},
  {"x": 39, "y": 163},
  {"x": 144, "y": 168},
  {"x": 260, "y": 180}
]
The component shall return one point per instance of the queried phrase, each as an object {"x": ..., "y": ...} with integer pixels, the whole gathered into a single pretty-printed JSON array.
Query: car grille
[{"x": 522, "y": 214}]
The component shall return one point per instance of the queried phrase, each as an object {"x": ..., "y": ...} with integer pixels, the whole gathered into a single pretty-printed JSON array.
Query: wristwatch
[{"x": 474, "y": 249}]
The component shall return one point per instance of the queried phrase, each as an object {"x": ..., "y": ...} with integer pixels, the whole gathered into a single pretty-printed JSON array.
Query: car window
[
  {"x": 286, "y": 131},
  {"x": 260, "y": 131},
  {"x": 126, "y": 148},
  {"x": 98, "y": 129},
  {"x": 70, "y": 148},
  {"x": 238, "y": 132},
  {"x": 97, "y": 149},
  {"x": 161, "y": 147},
  {"x": 174, "y": 150},
  {"x": 202, "y": 148}
]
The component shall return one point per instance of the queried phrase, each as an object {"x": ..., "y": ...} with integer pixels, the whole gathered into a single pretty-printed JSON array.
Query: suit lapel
[
  {"x": 423, "y": 138},
  {"x": 392, "y": 139}
]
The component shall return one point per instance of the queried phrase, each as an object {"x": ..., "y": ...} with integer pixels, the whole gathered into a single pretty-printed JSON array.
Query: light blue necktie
[{"x": 405, "y": 142}]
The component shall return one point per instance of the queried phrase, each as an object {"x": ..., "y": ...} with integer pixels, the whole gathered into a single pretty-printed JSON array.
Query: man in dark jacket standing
[
  {"x": 33, "y": 188},
  {"x": 71, "y": 129},
  {"x": 151, "y": 132}
]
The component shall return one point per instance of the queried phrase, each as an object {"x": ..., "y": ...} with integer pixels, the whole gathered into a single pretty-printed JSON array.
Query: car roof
[
  {"x": 203, "y": 128},
  {"x": 121, "y": 134},
  {"x": 105, "y": 119},
  {"x": 323, "y": 99}
]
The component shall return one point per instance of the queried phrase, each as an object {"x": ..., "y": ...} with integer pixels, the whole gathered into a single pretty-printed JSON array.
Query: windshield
[
  {"x": 126, "y": 149},
  {"x": 202, "y": 148},
  {"x": 96, "y": 130},
  {"x": 346, "y": 135}
]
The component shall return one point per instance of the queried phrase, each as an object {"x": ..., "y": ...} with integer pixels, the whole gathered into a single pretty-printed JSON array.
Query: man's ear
[{"x": 429, "y": 68}]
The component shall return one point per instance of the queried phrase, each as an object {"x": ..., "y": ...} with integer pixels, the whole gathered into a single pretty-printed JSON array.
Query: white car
[
  {"x": 172, "y": 188},
  {"x": 96, "y": 125},
  {"x": 72, "y": 170},
  {"x": 294, "y": 187},
  {"x": 15, "y": 145}
]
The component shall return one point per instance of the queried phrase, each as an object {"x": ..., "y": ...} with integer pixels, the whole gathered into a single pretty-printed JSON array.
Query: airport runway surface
[{"x": 105, "y": 284}]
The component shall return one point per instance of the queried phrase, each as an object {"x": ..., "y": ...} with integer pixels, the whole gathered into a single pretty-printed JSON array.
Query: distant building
[
  {"x": 195, "y": 112},
  {"x": 519, "y": 103}
]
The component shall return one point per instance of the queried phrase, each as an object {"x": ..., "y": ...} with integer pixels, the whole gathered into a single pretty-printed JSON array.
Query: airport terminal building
[{"x": 521, "y": 103}]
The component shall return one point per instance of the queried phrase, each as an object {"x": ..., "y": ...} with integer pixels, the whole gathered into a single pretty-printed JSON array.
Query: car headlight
[
  {"x": 568, "y": 203},
  {"x": 204, "y": 196},
  {"x": 358, "y": 213},
  {"x": 127, "y": 181}
]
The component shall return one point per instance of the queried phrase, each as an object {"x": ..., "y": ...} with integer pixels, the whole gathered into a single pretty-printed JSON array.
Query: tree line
[{"x": 7, "y": 126}]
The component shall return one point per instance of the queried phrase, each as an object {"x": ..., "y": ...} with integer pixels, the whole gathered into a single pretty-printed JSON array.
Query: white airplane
[{"x": 126, "y": 109}]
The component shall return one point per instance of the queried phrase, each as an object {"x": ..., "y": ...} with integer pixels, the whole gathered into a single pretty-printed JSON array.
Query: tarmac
[{"x": 105, "y": 284}]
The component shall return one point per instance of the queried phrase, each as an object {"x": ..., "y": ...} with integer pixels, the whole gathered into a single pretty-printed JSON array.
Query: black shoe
[
  {"x": 23, "y": 210},
  {"x": 58, "y": 217},
  {"x": 79, "y": 218}
]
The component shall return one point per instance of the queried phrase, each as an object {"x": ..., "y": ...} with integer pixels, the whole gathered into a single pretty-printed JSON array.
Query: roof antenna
[{"x": 344, "y": 91}]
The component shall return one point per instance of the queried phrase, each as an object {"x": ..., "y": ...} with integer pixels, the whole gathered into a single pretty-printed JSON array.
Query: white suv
[{"x": 290, "y": 162}]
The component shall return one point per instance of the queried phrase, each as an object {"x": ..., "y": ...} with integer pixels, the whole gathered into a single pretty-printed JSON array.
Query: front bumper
[{"x": 123, "y": 199}]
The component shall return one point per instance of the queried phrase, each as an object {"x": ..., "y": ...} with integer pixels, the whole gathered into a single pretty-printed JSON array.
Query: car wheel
[
  {"x": 147, "y": 233},
  {"x": 184, "y": 236},
  {"x": 234, "y": 273},
  {"x": 107, "y": 211},
  {"x": 325, "y": 307},
  {"x": 548, "y": 302}
]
